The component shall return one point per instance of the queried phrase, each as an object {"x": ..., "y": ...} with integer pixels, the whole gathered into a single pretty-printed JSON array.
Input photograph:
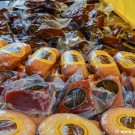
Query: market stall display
[{"x": 66, "y": 68}]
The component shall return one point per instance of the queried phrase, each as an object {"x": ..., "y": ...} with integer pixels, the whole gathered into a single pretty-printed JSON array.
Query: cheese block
[
  {"x": 67, "y": 124},
  {"x": 42, "y": 61},
  {"x": 126, "y": 62},
  {"x": 118, "y": 121},
  {"x": 12, "y": 55},
  {"x": 110, "y": 84},
  {"x": 16, "y": 123},
  {"x": 103, "y": 64},
  {"x": 71, "y": 62}
]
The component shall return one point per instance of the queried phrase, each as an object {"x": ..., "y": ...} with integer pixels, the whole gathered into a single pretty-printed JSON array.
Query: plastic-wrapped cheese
[
  {"x": 126, "y": 62},
  {"x": 16, "y": 123},
  {"x": 67, "y": 124},
  {"x": 103, "y": 64},
  {"x": 119, "y": 121}
]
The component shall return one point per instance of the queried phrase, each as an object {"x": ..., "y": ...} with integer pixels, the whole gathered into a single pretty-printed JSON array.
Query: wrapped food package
[
  {"x": 118, "y": 121},
  {"x": 77, "y": 99},
  {"x": 67, "y": 124},
  {"x": 12, "y": 55},
  {"x": 71, "y": 61},
  {"x": 16, "y": 123},
  {"x": 42, "y": 61},
  {"x": 110, "y": 84},
  {"x": 103, "y": 64},
  {"x": 31, "y": 96},
  {"x": 126, "y": 62}
]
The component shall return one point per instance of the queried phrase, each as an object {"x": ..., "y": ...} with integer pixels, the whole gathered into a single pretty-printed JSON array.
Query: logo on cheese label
[
  {"x": 10, "y": 126},
  {"x": 72, "y": 58},
  {"x": 125, "y": 121},
  {"x": 7, "y": 127},
  {"x": 14, "y": 50},
  {"x": 109, "y": 85},
  {"x": 74, "y": 98},
  {"x": 45, "y": 55},
  {"x": 102, "y": 59},
  {"x": 128, "y": 61},
  {"x": 71, "y": 127}
]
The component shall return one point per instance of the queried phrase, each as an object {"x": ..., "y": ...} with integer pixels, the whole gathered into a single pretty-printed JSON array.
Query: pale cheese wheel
[
  {"x": 118, "y": 121},
  {"x": 65, "y": 124},
  {"x": 16, "y": 123}
]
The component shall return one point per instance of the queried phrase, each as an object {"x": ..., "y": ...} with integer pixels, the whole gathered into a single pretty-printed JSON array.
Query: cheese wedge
[
  {"x": 67, "y": 124},
  {"x": 118, "y": 121},
  {"x": 16, "y": 123}
]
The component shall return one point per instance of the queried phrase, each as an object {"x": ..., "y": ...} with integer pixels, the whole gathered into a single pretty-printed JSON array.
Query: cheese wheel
[
  {"x": 42, "y": 61},
  {"x": 118, "y": 121},
  {"x": 65, "y": 124},
  {"x": 71, "y": 62},
  {"x": 16, "y": 123},
  {"x": 103, "y": 64},
  {"x": 113, "y": 85},
  {"x": 12, "y": 55},
  {"x": 126, "y": 62}
]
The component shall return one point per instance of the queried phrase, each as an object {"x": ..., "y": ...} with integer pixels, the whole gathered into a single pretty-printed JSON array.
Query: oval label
[{"x": 74, "y": 98}]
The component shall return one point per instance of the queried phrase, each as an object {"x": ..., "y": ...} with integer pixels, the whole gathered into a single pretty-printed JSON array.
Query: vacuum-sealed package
[
  {"x": 65, "y": 123},
  {"x": 12, "y": 55},
  {"x": 71, "y": 61},
  {"x": 31, "y": 96},
  {"x": 77, "y": 99},
  {"x": 103, "y": 64},
  {"x": 16, "y": 123},
  {"x": 118, "y": 121},
  {"x": 126, "y": 62},
  {"x": 42, "y": 61},
  {"x": 108, "y": 91}
]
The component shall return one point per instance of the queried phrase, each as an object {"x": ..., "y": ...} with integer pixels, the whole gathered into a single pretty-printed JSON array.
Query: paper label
[
  {"x": 14, "y": 50},
  {"x": 128, "y": 61},
  {"x": 102, "y": 59},
  {"x": 72, "y": 127},
  {"x": 46, "y": 55},
  {"x": 75, "y": 98},
  {"x": 11, "y": 126},
  {"x": 125, "y": 121},
  {"x": 72, "y": 57}
]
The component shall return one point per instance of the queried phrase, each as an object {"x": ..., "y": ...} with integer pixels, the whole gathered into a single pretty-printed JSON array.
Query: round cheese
[
  {"x": 65, "y": 124},
  {"x": 16, "y": 123},
  {"x": 119, "y": 121}
]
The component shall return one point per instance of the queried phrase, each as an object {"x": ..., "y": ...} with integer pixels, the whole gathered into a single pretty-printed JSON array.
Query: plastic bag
[
  {"x": 103, "y": 64},
  {"x": 126, "y": 62},
  {"x": 71, "y": 61},
  {"x": 34, "y": 95}
]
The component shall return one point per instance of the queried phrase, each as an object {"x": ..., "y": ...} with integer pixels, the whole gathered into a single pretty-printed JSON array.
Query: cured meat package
[
  {"x": 126, "y": 62},
  {"x": 42, "y": 61},
  {"x": 30, "y": 95},
  {"x": 72, "y": 61},
  {"x": 12, "y": 55},
  {"x": 103, "y": 64}
]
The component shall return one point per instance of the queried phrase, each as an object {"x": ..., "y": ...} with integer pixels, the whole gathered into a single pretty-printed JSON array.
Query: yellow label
[
  {"x": 66, "y": 127},
  {"x": 46, "y": 55},
  {"x": 1, "y": 44},
  {"x": 128, "y": 60},
  {"x": 125, "y": 121},
  {"x": 18, "y": 128},
  {"x": 14, "y": 50},
  {"x": 102, "y": 59},
  {"x": 91, "y": 76},
  {"x": 72, "y": 57},
  {"x": 21, "y": 66}
]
